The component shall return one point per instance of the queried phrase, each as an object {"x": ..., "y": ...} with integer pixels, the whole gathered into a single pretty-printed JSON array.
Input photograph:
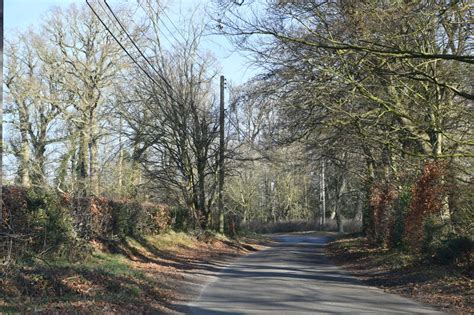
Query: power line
[
  {"x": 120, "y": 44},
  {"x": 114, "y": 19},
  {"x": 164, "y": 90},
  {"x": 167, "y": 93},
  {"x": 171, "y": 33},
  {"x": 140, "y": 5},
  {"x": 163, "y": 11},
  {"x": 136, "y": 9},
  {"x": 109, "y": 17},
  {"x": 174, "y": 25},
  {"x": 136, "y": 46}
]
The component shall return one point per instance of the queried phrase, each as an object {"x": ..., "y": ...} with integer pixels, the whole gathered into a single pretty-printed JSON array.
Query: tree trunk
[
  {"x": 39, "y": 174},
  {"x": 24, "y": 162},
  {"x": 24, "y": 169},
  {"x": 82, "y": 162},
  {"x": 339, "y": 222},
  {"x": 201, "y": 194},
  {"x": 93, "y": 150},
  {"x": 221, "y": 157},
  {"x": 359, "y": 212},
  {"x": 120, "y": 162},
  {"x": 367, "y": 217},
  {"x": 337, "y": 207}
]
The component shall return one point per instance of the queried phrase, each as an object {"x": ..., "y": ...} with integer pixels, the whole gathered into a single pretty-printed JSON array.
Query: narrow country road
[{"x": 295, "y": 277}]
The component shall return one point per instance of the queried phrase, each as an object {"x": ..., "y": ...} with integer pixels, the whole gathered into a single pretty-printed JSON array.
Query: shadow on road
[{"x": 295, "y": 277}]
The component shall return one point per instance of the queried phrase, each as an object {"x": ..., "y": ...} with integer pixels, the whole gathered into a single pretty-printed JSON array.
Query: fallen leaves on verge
[
  {"x": 135, "y": 276},
  {"x": 448, "y": 287}
]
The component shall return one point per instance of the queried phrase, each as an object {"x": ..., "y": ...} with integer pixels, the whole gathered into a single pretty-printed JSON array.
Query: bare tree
[
  {"x": 172, "y": 124},
  {"x": 33, "y": 97},
  {"x": 89, "y": 60}
]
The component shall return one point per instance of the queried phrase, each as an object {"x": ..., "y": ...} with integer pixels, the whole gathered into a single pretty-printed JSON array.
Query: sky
[{"x": 21, "y": 14}]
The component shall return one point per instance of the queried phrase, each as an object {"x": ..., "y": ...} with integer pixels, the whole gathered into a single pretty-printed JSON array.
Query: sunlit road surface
[{"x": 295, "y": 277}]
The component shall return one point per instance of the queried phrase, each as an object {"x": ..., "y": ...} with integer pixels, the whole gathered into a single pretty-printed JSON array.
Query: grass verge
[
  {"x": 448, "y": 287},
  {"x": 135, "y": 275}
]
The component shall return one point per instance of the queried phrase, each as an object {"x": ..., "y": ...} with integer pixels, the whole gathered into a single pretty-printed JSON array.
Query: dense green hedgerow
[{"x": 42, "y": 223}]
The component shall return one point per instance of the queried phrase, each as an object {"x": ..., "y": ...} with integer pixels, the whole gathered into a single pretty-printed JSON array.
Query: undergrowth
[
  {"x": 415, "y": 274},
  {"x": 132, "y": 274}
]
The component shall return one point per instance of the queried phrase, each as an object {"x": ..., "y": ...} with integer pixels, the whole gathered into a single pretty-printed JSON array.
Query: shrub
[
  {"x": 103, "y": 218},
  {"x": 92, "y": 216},
  {"x": 50, "y": 217},
  {"x": 14, "y": 209},
  {"x": 460, "y": 200},
  {"x": 41, "y": 222},
  {"x": 435, "y": 232},
  {"x": 180, "y": 218},
  {"x": 38, "y": 224},
  {"x": 149, "y": 218},
  {"x": 443, "y": 245},
  {"x": 428, "y": 194},
  {"x": 15, "y": 225},
  {"x": 382, "y": 202},
  {"x": 262, "y": 227},
  {"x": 455, "y": 250},
  {"x": 279, "y": 227},
  {"x": 130, "y": 218},
  {"x": 232, "y": 224},
  {"x": 121, "y": 225},
  {"x": 397, "y": 222}
]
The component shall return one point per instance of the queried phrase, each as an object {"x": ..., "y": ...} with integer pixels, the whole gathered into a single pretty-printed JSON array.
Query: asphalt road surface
[{"x": 295, "y": 277}]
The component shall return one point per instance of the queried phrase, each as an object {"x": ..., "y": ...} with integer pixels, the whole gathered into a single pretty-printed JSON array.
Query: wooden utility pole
[
  {"x": 1, "y": 112},
  {"x": 221, "y": 158},
  {"x": 120, "y": 162},
  {"x": 323, "y": 195}
]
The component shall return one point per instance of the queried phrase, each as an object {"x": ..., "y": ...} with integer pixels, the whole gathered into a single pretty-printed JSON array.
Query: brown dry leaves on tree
[{"x": 427, "y": 199}]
